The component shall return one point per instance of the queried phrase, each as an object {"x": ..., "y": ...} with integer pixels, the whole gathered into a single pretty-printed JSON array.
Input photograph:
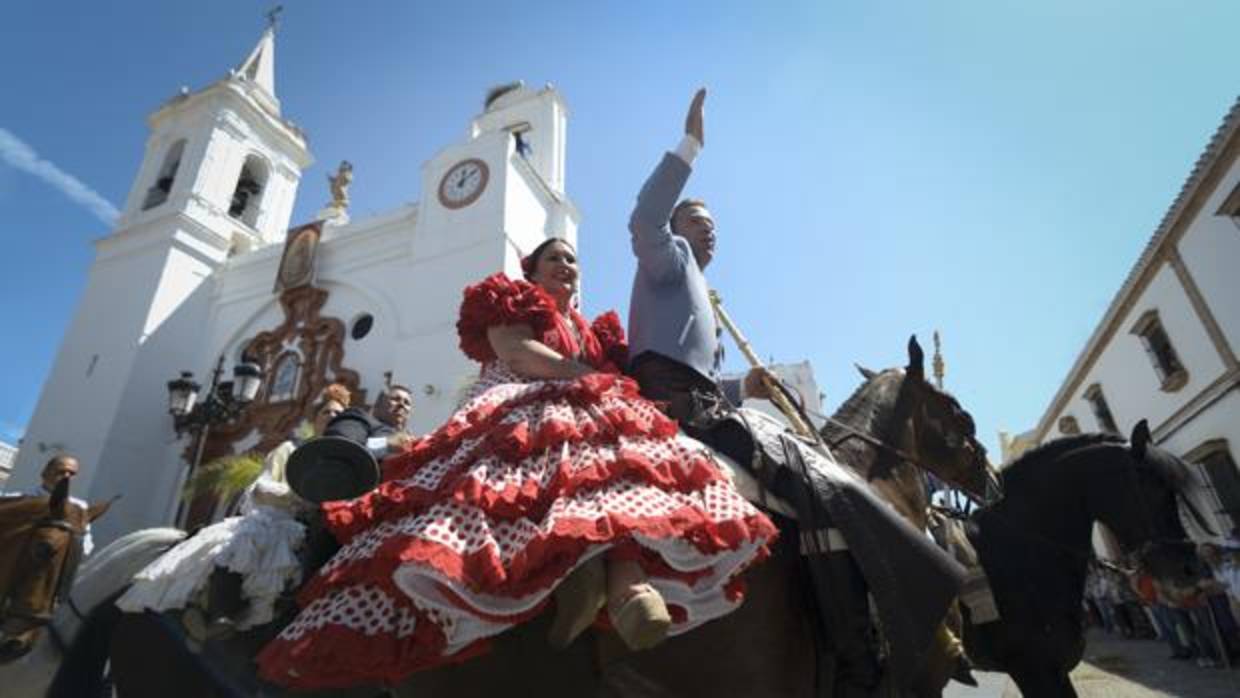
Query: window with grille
[
  {"x": 1222, "y": 479},
  {"x": 1171, "y": 373},
  {"x": 1102, "y": 411}
]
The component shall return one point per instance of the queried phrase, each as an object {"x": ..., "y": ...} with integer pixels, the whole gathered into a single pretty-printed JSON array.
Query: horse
[
  {"x": 100, "y": 578},
  {"x": 1035, "y": 544},
  {"x": 770, "y": 643},
  {"x": 40, "y": 548}
]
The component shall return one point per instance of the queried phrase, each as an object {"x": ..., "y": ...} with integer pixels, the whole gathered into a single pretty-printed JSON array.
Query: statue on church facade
[
  {"x": 339, "y": 184},
  {"x": 336, "y": 212}
]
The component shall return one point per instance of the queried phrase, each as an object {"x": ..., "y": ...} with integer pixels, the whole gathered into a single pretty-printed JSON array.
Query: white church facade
[
  {"x": 1165, "y": 351},
  {"x": 198, "y": 271}
]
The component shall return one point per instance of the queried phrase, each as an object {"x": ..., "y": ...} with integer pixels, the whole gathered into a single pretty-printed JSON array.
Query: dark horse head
[
  {"x": 1143, "y": 511},
  {"x": 901, "y": 417},
  {"x": 40, "y": 547},
  {"x": 1133, "y": 488}
]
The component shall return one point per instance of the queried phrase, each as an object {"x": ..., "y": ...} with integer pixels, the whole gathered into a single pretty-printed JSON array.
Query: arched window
[
  {"x": 248, "y": 193},
  {"x": 158, "y": 193},
  {"x": 285, "y": 379}
]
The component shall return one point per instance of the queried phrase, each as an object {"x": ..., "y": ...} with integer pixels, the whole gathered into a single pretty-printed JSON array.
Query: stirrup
[{"x": 640, "y": 618}]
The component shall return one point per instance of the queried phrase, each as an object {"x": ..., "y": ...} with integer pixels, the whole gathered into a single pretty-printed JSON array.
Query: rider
[
  {"x": 61, "y": 467},
  {"x": 675, "y": 342}
]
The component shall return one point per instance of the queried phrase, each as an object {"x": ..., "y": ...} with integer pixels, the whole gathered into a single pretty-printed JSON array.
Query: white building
[
  {"x": 1166, "y": 349},
  {"x": 187, "y": 279},
  {"x": 799, "y": 377},
  {"x": 8, "y": 455}
]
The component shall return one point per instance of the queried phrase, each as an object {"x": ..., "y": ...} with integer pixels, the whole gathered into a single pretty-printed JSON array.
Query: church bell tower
[{"x": 218, "y": 178}]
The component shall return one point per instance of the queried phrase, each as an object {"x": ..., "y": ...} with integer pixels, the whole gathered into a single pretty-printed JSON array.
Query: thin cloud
[{"x": 22, "y": 157}]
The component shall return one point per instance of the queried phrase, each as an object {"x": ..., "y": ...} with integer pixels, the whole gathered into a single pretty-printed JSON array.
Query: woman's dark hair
[{"x": 530, "y": 261}]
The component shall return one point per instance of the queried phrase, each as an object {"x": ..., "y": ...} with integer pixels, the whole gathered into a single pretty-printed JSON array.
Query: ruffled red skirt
[{"x": 475, "y": 526}]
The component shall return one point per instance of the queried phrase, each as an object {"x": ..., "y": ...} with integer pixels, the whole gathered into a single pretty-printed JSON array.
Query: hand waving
[{"x": 693, "y": 121}]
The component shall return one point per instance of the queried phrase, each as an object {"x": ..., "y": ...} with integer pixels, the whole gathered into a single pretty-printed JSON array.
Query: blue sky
[{"x": 991, "y": 169}]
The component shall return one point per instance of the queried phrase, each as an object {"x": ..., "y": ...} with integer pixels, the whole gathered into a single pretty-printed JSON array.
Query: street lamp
[{"x": 224, "y": 401}]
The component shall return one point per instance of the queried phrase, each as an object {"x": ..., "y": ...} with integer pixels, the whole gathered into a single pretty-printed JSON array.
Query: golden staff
[{"x": 777, "y": 391}]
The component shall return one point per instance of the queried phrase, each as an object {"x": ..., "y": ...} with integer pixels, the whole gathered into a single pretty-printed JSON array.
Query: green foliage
[
  {"x": 226, "y": 477},
  {"x": 304, "y": 431}
]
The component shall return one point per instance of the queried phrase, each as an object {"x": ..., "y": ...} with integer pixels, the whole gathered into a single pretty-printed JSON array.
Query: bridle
[
  {"x": 886, "y": 454},
  {"x": 64, "y": 576}
]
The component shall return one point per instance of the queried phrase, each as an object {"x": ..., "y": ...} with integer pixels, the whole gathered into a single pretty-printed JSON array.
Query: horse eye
[{"x": 42, "y": 550}]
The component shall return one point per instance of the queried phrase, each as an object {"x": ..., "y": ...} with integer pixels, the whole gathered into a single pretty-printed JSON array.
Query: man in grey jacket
[
  {"x": 674, "y": 340},
  {"x": 673, "y": 333}
]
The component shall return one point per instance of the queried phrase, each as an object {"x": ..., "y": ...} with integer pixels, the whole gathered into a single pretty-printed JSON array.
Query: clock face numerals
[{"x": 463, "y": 183}]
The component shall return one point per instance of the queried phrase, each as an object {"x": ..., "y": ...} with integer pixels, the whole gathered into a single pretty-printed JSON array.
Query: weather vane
[{"x": 273, "y": 15}]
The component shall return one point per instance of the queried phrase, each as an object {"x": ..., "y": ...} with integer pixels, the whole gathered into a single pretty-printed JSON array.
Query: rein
[{"x": 900, "y": 414}]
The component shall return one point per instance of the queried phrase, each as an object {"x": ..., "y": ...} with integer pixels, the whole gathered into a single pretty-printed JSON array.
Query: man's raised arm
[{"x": 653, "y": 244}]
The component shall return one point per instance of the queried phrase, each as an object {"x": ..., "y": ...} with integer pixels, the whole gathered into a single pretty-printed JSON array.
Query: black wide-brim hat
[{"x": 330, "y": 468}]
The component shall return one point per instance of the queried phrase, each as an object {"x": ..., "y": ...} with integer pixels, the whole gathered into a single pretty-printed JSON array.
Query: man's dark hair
[
  {"x": 684, "y": 203},
  {"x": 57, "y": 460},
  {"x": 397, "y": 386}
]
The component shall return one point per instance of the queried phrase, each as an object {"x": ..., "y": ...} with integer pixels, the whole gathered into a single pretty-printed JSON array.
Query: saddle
[{"x": 911, "y": 581}]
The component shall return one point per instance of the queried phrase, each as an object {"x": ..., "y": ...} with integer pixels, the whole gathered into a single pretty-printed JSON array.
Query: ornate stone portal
[{"x": 300, "y": 357}]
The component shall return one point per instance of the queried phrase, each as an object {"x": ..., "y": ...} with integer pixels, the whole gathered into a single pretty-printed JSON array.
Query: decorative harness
[{"x": 887, "y": 454}]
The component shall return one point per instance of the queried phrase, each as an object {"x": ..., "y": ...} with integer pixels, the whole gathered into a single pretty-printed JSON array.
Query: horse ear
[
  {"x": 1140, "y": 438},
  {"x": 98, "y": 509},
  {"x": 58, "y": 504},
  {"x": 916, "y": 359},
  {"x": 865, "y": 372}
]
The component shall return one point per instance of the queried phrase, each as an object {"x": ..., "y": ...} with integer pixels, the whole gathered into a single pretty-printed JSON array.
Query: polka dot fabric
[{"x": 476, "y": 524}]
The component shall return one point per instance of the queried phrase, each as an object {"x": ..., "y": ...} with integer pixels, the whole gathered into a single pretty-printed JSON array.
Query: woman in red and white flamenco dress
[{"x": 553, "y": 466}]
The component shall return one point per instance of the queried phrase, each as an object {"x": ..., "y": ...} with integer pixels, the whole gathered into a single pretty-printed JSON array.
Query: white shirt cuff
[
  {"x": 688, "y": 149},
  {"x": 377, "y": 445}
]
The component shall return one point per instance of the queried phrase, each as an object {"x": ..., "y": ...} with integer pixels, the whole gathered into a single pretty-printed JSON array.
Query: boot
[
  {"x": 851, "y": 632},
  {"x": 640, "y": 618},
  {"x": 950, "y": 646},
  {"x": 578, "y": 599}
]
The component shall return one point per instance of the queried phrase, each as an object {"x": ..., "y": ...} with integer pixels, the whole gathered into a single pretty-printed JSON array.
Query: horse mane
[
  {"x": 1055, "y": 449},
  {"x": 1174, "y": 471},
  {"x": 869, "y": 409}
]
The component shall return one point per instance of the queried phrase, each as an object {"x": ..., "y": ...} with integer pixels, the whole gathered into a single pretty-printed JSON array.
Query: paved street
[{"x": 1118, "y": 668}]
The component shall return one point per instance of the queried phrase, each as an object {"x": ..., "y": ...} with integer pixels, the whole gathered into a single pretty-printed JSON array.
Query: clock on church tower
[
  {"x": 497, "y": 194},
  {"x": 463, "y": 183}
]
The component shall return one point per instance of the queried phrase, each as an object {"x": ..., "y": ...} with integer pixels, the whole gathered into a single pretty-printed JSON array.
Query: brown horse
[
  {"x": 768, "y": 647},
  {"x": 40, "y": 547}
]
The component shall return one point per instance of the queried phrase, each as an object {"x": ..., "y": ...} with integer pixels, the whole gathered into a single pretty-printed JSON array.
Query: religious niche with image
[{"x": 298, "y": 263}]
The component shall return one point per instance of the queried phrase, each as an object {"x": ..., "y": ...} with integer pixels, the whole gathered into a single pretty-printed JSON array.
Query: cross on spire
[{"x": 273, "y": 16}]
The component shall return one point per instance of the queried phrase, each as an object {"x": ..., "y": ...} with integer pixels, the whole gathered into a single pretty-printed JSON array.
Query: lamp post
[{"x": 224, "y": 401}]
